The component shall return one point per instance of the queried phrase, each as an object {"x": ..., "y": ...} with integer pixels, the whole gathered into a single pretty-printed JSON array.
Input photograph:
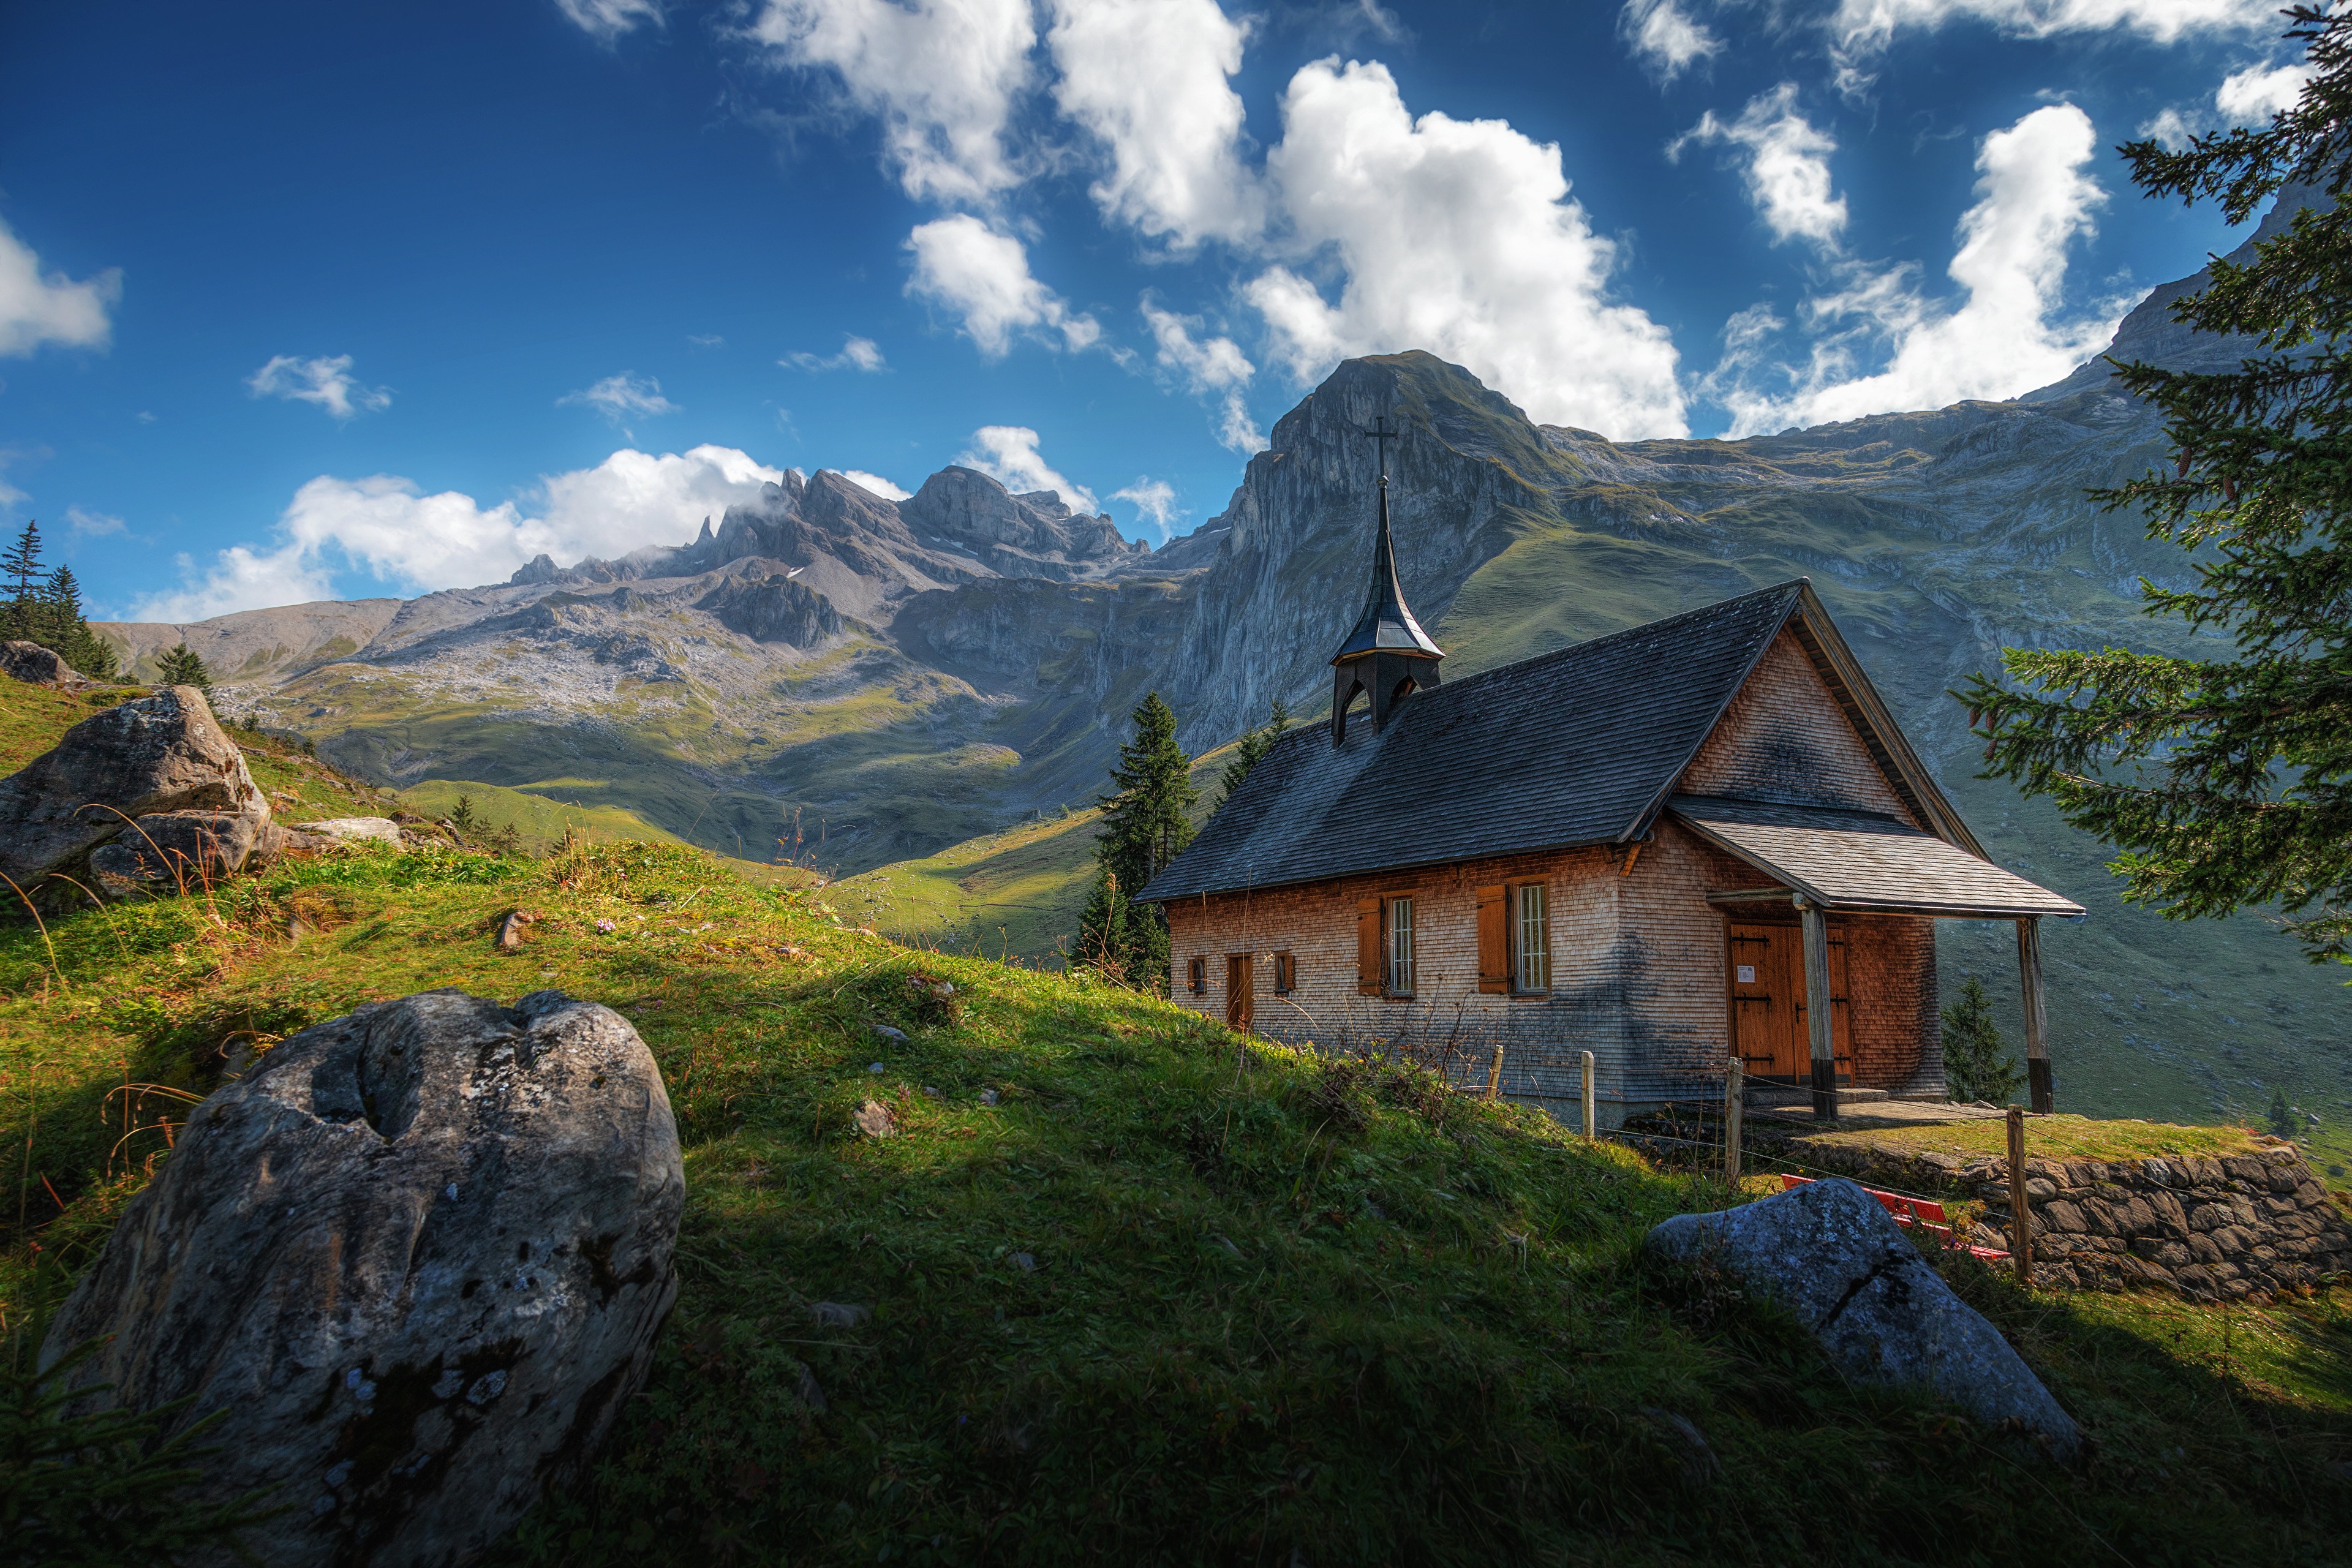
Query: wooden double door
[{"x": 1769, "y": 1033}]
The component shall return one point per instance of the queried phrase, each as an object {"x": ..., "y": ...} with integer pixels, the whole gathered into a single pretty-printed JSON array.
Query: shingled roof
[{"x": 1581, "y": 746}]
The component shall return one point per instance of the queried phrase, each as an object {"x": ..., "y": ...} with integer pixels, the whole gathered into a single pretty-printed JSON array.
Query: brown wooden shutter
[
  {"x": 1494, "y": 940},
  {"x": 1369, "y": 979}
]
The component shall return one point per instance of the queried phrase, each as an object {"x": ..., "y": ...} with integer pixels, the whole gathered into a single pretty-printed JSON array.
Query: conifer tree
[
  {"x": 2282, "y": 1116},
  {"x": 182, "y": 666},
  {"x": 1977, "y": 1063},
  {"x": 1252, "y": 751},
  {"x": 21, "y": 564},
  {"x": 2224, "y": 783},
  {"x": 1145, "y": 825}
]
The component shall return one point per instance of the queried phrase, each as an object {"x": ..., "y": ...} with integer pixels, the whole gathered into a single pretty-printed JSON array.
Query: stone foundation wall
[{"x": 2236, "y": 1227}]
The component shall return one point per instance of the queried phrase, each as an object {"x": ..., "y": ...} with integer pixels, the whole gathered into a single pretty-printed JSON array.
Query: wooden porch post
[
  {"x": 1818, "y": 1010},
  {"x": 2037, "y": 1019}
]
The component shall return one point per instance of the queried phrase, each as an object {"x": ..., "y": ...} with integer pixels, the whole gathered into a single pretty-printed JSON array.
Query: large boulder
[
  {"x": 158, "y": 756},
  {"x": 36, "y": 666},
  {"x": 418, "y": 1257},
  {"x": 1829, "y": 1255}
]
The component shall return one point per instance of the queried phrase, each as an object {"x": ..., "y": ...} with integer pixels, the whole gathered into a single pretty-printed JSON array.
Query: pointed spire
[{"x": 1386, "y": 624}]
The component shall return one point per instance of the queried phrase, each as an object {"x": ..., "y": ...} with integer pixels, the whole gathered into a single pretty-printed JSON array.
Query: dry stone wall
[{"x": 2233, "y": 1228}]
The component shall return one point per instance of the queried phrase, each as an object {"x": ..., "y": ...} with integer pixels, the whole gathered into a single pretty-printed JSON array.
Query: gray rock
[
  {"x": 874, "y": 1120},
  {"x": 177, "y": 852},
  {"x": 419, "y": 1256},
  {"x": 36, "y": 666},
  {"x": 153, "y": 757},
  {"x": 1830, "y": 1256},
  {"x": 773, "y": 609}
]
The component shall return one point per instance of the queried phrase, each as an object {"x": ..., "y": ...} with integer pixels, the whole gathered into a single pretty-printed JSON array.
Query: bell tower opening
[{"x": 1387, "y": 657}]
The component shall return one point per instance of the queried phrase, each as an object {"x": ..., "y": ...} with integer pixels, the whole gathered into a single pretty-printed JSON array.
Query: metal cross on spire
[{"x": 1380, "y": 435}]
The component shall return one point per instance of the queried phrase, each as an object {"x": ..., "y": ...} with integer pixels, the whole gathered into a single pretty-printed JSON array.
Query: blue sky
[{"x": 302, "y": 301}]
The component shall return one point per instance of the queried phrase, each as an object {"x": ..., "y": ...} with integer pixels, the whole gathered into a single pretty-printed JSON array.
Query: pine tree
[
  {"x": 2281, "y": 1115},
  {"x": 63, "y": 629},
  {"x": 1145, "y": 825},
  {"x": 21, "y": 564},
  {"x": 181, "y": 666},
  {"x": 1977, "y": 1063},
  {"x": 1252, "y": 751},
  {"x": 2227, "y": 782}
]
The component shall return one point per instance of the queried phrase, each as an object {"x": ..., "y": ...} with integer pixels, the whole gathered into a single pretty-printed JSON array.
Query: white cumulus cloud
[
  {"x": 1008, "y": 453},
  {"x": 875, "y": 483},
  {"x": 1787, "y": 164},
  {"x": 2251, "y": 96},
  {"x": 329, "y": 383},
  {"x": 1150, "y": 79},
  {"x": 1666, "y": 37},
  {"x": 385, "y": 527},
  {"x": 856, "y": 354},
  {"x": 2034, "y": 200},
  {"x": 37, "y": 308},
  {"x": 605, "y": 20},
  {"x": 1459, "y": 237},
  {"x": 1154, "y": 500},
  {"x": 941, "y": 75},
  {"x": 623, "y": 396},
  {"x": 1214, "y": 367},
  {"x": 983, "y": 276}
]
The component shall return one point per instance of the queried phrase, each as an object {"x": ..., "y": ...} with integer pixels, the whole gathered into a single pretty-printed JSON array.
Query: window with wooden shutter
[
  {"x": 1367, "y": 947},
  {"x": 1494, "y": 945}
]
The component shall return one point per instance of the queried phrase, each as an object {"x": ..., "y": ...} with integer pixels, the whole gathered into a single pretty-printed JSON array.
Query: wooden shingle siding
[{"x": 1785, "y": 738}]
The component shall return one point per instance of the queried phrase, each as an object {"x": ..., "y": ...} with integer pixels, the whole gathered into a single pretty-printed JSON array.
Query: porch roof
[{"x": 1862, "y": 863}]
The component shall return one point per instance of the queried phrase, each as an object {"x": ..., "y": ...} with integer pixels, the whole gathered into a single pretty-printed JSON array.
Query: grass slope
[
  {"x": 540, "y": 821},
  {"x": 1134, "y": 1289},
  {"x": 1014, "y": 894}
]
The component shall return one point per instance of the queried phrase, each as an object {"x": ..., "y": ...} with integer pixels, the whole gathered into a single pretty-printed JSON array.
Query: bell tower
[{"x": 1388, "y": 657}]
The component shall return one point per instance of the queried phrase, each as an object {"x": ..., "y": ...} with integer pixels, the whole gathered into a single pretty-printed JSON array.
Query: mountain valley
[{"x": 921, "y": 696}]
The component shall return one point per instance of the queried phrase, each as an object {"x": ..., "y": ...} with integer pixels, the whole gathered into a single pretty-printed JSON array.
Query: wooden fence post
[
  {"x": 1821, "y": 1037},
  {"x": 1495, "y": 1074},
  {"x": 1591, "y": 1131},
  {"x": 2037, "y": 1015},
  {"x": 1733, "y": 1093},
  {"x": 2021, "y": 1216}
]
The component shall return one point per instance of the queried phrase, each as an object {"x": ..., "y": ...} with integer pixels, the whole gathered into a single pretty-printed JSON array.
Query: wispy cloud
[
  {"x": 92, "y": 525},
  {"x": 1787, "y": 162},
  {"x": 329, "y": 383},
  {"x": 1213, "y": 367},
  {"x": 607, "y": 20},
  {"x": 856, "y": 354},
  {"x": 623, "y": 396},
  {"x": 1154, "y": 500},
  {"x": 1665, "y": 37}
]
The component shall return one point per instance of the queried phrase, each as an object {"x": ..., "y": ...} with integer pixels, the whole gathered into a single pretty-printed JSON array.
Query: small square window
[
  {"x": 1196, "y": 975},
  {"x": 1285, "y": 975}
]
